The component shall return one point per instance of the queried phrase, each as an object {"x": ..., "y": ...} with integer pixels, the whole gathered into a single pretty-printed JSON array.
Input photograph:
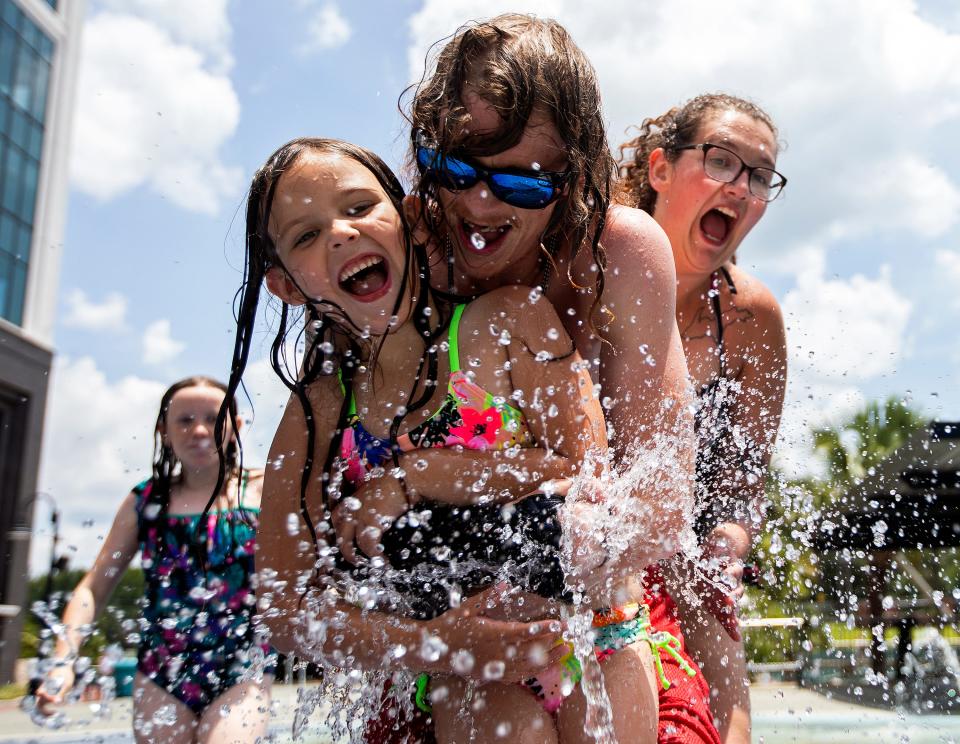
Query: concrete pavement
[{"x": 783, "y": 714}]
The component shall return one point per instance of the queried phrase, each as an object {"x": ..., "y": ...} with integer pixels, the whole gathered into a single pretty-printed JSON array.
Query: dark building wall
[{"x": 24, "y": 374}]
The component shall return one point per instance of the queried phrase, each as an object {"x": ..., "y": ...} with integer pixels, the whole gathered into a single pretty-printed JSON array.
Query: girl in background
[{"x": 202, "y": 673}]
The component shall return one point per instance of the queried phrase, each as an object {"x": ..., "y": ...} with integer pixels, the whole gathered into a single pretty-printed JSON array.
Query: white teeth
[
  {"x": 356, "y": 268},
  {"x": 727, "y": 212}
]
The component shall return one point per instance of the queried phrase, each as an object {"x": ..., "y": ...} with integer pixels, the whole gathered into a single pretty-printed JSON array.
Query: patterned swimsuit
[
  {"x": 197, "y": 637},
  {"x": 476, "y": 420}
]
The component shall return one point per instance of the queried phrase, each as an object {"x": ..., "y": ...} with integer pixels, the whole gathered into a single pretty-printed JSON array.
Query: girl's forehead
[
  {"x": 197, "y": 395},
  {"x": 325, "y": 170},
  {"x": 740, "y": 132}
]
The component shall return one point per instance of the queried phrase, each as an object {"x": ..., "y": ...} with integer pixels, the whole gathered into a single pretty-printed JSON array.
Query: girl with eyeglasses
[
  {"x": 397, "y": 383},
  {"x": 706, "y": 171}
]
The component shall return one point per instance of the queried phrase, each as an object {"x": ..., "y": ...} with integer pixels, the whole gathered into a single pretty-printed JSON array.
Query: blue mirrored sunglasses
[{"x": 518, "y": 188}]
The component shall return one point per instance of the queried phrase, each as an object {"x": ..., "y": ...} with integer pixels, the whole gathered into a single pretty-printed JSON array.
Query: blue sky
[{"x": 180, "y": 101}]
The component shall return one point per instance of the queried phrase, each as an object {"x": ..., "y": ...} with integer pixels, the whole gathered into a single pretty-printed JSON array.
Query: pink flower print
[
  {"x": 478, "y": 430},
  {"x": 350, "y": 456}
]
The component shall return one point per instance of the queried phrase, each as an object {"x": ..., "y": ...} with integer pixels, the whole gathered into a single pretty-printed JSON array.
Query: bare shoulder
[
  {"x": 640, "y": 266},
  {"x": 632, "y": 240},
  {"x": 754, "y": 297}
]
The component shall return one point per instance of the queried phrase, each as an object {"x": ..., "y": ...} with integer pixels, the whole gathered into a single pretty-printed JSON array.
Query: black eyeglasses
[
  {"x": 533, "y": 189},
  {"x": 725, "y": 165}
]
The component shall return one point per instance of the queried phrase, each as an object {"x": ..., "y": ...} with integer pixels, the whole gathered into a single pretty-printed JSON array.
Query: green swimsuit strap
[
  {"x": 452, "y": 335},
  {"x": 454, "y": 347},
  {"x": 353, "y": 400}
]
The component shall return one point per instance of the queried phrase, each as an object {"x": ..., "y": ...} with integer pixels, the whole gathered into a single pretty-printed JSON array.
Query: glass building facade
[
  {"x": 39, "y": 59},
  {"x": 26, "y": 56}
]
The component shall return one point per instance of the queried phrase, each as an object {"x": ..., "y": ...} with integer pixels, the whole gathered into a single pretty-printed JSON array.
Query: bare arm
[
  {"x": 552, "y": 389},
  {"x": 643, "y": 378},
  {"x": 92, "y": 594},
  {"x": 318, "y": 624}
]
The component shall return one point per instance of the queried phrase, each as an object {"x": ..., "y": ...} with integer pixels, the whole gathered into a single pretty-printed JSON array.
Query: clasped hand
[{"x": 361, "y": 519}]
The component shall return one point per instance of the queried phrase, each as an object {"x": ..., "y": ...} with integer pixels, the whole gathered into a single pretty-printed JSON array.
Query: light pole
[{"x": 55, "y": 525}]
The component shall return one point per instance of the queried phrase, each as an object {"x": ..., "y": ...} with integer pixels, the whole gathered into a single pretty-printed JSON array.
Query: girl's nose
[
  {"x": 740, "y": 186},
  {"x": 341, "y": 233}
]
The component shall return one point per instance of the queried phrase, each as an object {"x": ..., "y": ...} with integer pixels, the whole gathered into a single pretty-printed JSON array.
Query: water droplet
[
  {"x": 165, "y": 715},
  {"x": 478, "y": 241},
  {"x": 494, "y": 670},
  {"x": 293, "y": 523},
  {"x": 462, "y": 661}
]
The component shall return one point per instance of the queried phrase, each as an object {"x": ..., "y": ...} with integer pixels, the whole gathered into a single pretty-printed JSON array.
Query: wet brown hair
[
  {"x": 334, "y": 347},
  {"x": 518, "y": 64},
  {"x": 166, "y": 464},
  {"x": 672, "y": 130}
]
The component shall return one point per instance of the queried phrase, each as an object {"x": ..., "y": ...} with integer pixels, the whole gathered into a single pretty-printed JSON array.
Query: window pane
[
  {"x": 31, "y": 34},
  {"x": 24, "y": 233},
  {"x": 18, "y": 131},
  {"x": 46, "y": 48},
  {"x": 41, "y": 76},
  {"x": 11, "y": 13},
  {"x": 7, "y": 232},
  {"x": 36, "y": 141},
  {"x": 18, "y": 288},
  {"x": 6, "y": 275},
  {"x": 29, "y": 197},
  {"x": 8, "y": 45},
  {"x": 12, "y": 179}
]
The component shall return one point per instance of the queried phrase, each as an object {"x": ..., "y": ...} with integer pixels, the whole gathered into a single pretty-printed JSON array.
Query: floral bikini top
[{"x": 469, "y": 417}]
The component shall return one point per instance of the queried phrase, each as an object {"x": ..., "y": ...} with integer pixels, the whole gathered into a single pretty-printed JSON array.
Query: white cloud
[
  {"x": 845, "y": 328},
  {"x": 949, "y": 263},
  {"x": 840, "y": 333},
  {"x": 158, "y": 345},
  {"x": 151, "y": 113},
  {"x": 98, "y": 444},
  {"x": 82, "y": 312},
  {"x": 327, "y": 29},
  {"x": 204, "y": 26}
]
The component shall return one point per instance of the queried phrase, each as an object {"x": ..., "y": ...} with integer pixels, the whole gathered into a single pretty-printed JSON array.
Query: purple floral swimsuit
[{"x": 197, "y": 634}]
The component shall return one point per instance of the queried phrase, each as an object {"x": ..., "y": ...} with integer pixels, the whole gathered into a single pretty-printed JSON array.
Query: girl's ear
[
  {"x": 413, "y": 212},
  {"x": 237, "y": 424},
  {"x": 659, "y": 170},
  {"x": 280, "y": 285}
]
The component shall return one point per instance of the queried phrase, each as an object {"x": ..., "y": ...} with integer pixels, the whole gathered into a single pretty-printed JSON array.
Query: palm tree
[{"x": 877, "y": 430}]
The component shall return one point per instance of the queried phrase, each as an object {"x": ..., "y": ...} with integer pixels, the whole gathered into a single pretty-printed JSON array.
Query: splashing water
[{"x": 85, "y": 675}]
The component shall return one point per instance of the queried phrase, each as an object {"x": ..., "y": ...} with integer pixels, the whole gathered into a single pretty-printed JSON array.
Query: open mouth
[
  {"x": 366, "y": 278},
  {"x": 717, "y": 224},
  {"x": 482, "y": 238}
]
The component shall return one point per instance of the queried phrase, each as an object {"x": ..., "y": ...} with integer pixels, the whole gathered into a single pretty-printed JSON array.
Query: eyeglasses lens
[{"x": 726, "y": 166}]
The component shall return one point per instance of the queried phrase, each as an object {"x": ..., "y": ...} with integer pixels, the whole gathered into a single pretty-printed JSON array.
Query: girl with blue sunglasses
[
  {"x": 396, "y": 384},
  {"x": 514, "y": 97}
]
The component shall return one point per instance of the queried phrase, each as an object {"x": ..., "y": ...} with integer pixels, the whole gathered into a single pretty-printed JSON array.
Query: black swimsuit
[{"x": 713, "y": 420}]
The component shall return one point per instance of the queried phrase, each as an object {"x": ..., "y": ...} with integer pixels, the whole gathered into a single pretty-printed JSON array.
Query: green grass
[{"x": 12, "y": 691}]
